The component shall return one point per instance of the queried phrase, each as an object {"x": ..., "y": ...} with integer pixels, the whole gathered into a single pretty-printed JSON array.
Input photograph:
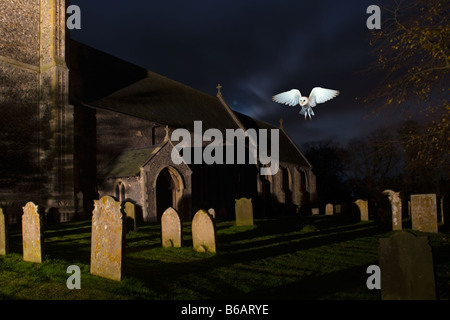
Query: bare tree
[{"x": 373, "y": 165}]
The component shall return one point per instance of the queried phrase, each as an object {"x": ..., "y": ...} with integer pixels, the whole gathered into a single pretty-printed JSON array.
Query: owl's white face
[{"x": 303, "y": 101}]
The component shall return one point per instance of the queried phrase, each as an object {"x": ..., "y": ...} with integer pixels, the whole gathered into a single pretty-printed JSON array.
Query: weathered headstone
[
  {"x": 315, "y": 211},
  {"x": 107, "y": 239},
  {"x": 130, "y": 213},
  {"x": 396, "y": 206},
  {"x": 424, "y": 212},
  {"x": 363, "y": 209},
  {"x": 32, "y": 233},
  {"x": 244, "y": 212},
  {"x": 338, "y": 209},
  {"x": 406, "y": 265},
  {"x": 212, "y": 212},
  {"x": 170, "y": 228},
  {"x": 3, "y": 233},
  {"x": 329, "y": 209},
  {"x": 203, "y": 232}
]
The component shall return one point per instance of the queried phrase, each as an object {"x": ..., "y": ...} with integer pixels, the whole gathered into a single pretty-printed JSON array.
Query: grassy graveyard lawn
[{"x": 318, "y": 257}]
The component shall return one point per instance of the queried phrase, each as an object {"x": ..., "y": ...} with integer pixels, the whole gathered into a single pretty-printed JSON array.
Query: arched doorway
[{"x": 168, "y": 191}]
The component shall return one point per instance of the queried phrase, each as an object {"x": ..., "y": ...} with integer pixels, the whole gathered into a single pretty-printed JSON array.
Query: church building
[{"x": 79, "y": 124}]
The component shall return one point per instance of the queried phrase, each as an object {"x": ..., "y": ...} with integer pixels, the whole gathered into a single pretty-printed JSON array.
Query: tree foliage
[
  {"x": 412, "y": 50},
  {"x": 412, "y": 47}
]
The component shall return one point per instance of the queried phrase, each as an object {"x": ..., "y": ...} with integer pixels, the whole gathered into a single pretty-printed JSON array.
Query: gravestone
[
  {"x": 212, "y": 212},
  {"x": 3, "y": 233},
  {"x": 32, "y": 233},
  {"x": 130, "y": 216},
  {"x": 396, "y": 207},
  {"x": 406, "y": 266},
  {"x": 203, "y": 232},
  {"x": 329, "y": 209},
  {"x": 79, "y": 204},
  {"x": 424, "y": 212},
  {"x": 244, "y": 212},
  {"x": 315, "y": 211},
  {"x": 363, "y": 209},
  {"x": 338, "y": 209},
  {"x": 170, "y": 229},
  {"x": 107, "y": 239}
]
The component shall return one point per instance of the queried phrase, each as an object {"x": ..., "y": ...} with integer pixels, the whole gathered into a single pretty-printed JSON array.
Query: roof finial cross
[
  {"x": 218, "y": 89},
  {"x": 281, "y": 123}
]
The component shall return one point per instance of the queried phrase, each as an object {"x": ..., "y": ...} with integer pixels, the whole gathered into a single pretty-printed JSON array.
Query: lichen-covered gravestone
[
  {"x": 3, "y": 233},
  {"x": 329, "y": 209},
  {"x": 32, "y": 233},
  {"x": 244, "y": 212},
  {"x": 396, "y": 207},
  {"x": 203, "y": 232},
  {"x": 406, "y": 265},
  {"x": 107, "y": 239},
  {"x": 171, "y": 229},
  {"x": 424, "y": 212},
  {"x": 363, "y": 209}
]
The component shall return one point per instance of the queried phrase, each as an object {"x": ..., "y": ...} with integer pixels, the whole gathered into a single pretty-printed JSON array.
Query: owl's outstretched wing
[
  {"x": 321, "y": 95},
  {"x": 290, "y": 98}
]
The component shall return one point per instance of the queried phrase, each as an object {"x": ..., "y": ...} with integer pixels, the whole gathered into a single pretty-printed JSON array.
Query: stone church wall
[
  {"x": 117, "y": 132},
  {"x": 34, "y": 105}
]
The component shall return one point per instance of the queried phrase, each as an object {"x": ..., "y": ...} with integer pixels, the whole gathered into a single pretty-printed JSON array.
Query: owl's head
[{"x": 304, "y": 101}]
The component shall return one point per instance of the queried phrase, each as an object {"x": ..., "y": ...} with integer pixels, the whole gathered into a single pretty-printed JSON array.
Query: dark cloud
[{"x": 254, "y": 48}]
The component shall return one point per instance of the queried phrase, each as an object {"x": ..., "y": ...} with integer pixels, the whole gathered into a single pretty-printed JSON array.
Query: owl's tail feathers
[{"x": 307, "y": 112}]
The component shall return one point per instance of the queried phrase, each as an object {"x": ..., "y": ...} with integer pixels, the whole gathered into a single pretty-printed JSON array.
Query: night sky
[{"x": 254, "y": 49}]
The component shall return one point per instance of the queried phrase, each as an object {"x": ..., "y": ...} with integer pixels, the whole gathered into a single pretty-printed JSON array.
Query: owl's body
[{"x": 294, "y": 97}]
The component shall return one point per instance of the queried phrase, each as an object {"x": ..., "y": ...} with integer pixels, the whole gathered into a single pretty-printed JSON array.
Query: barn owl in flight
[{"x": 294, "y": 97}]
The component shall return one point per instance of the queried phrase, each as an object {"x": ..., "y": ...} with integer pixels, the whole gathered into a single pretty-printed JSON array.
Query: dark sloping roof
[
  {"x": 103, "y": 81},
  {"x": 127, "y": 163},
  {"x": 288, "y": 150},
  {"x": 94, "y": 74}
]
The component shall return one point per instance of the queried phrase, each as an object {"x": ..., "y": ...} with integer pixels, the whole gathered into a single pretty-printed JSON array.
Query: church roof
[
  {"x": 103, "y": 81},
  {"x": 289, "y": 152},
  {"x": 100, "y": 80},
  {"x": 127, "y": 163}
]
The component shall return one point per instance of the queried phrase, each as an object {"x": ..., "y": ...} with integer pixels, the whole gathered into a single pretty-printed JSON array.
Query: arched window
[{"x": 119, "y": 191}]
